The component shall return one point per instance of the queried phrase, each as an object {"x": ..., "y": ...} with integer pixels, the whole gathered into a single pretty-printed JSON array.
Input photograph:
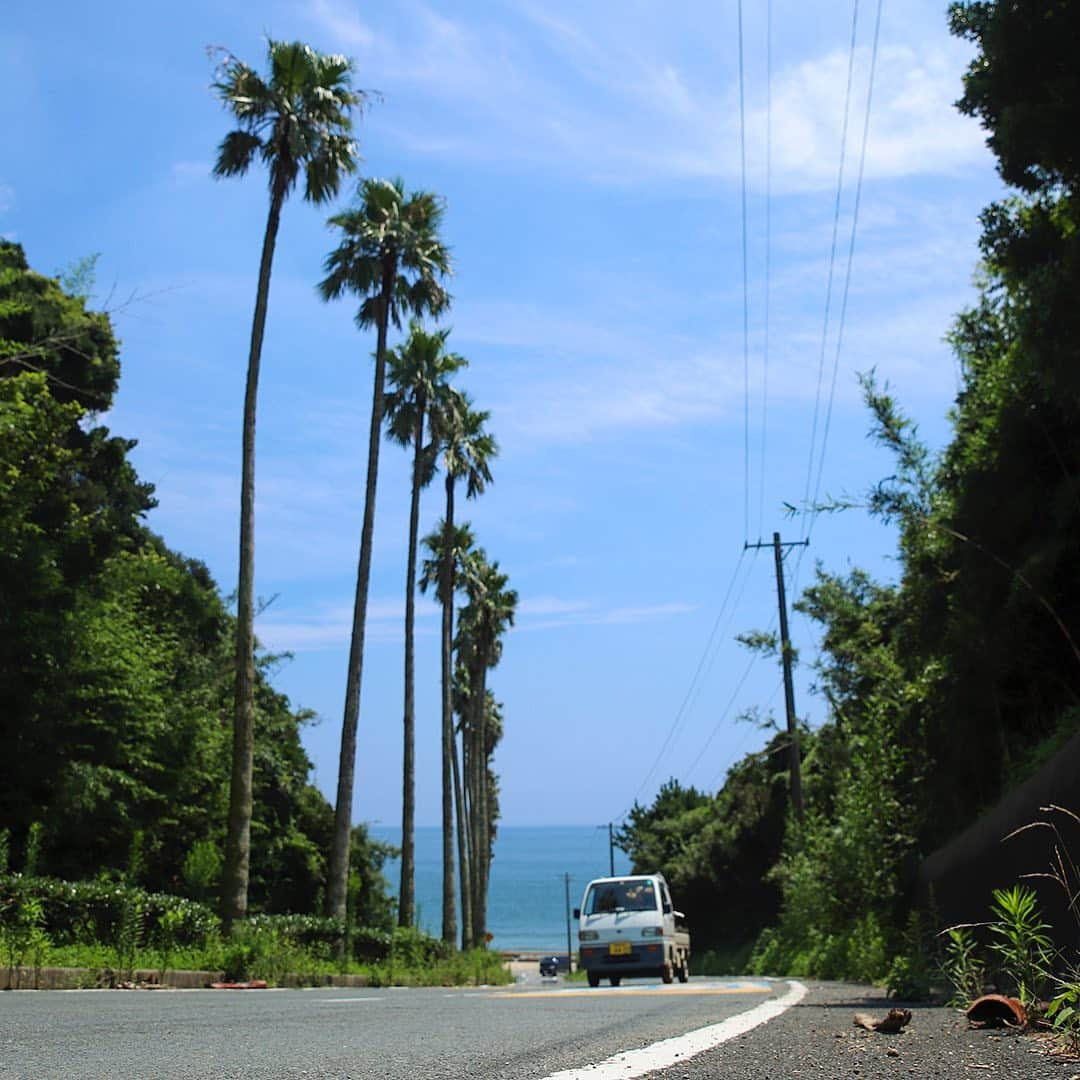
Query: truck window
[{"x": 622, "y": 895}]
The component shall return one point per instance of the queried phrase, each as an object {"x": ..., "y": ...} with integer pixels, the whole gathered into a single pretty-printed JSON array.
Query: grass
[{"x": 274, "y": 964}]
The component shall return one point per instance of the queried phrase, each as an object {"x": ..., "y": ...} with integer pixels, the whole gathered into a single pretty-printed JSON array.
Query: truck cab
[{"x": 629, "y": 926}]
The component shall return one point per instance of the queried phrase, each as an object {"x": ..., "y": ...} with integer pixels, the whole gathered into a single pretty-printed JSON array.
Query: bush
[{"x": 82, "y": 911}]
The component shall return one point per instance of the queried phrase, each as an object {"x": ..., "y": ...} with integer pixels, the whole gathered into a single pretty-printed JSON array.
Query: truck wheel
[
  {"x": 615, "y": 980},
  {"x": 594, "y": 979},
  {"x": 684, "y": 970},
  {"x": 666, "y": 973}
]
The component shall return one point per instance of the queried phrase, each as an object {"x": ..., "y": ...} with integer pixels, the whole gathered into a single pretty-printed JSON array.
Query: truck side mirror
[
  {"x": 667, "y": 909},
  {"x": 577, "y": 913}
]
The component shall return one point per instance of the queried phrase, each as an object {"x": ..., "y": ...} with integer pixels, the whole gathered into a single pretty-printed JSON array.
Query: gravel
[{"x": 817, "y": 1040}]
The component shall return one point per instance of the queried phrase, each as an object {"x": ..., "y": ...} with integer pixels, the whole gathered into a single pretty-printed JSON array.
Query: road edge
[{"x": 661, "y": 1055}]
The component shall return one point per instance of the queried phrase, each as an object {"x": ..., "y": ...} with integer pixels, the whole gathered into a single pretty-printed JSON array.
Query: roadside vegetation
[
  {"x": 948, "y": 687},
  {"x": 150, "y": 758}
]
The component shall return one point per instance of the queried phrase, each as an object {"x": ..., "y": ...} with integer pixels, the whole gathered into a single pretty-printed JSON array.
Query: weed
[
  {"x": 962, "y": 966},
  {"x": 1021, "y": 941}
]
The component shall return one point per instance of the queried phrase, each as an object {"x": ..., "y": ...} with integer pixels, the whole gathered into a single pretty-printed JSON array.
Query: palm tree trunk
[
  {"x": 449, "y": 754},
  {"x": 463, "y": 854},
  {"x": 339, "y": 852},
  {"x": 485, "y": 864},
  {"x": 407, "y": 892},
  {"x": 479, "y": 784},
  {"x": 234, "y": 880}
]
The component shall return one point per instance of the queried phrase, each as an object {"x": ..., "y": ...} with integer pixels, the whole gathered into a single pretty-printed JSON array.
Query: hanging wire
[
  {"x": 850, "y": 260},
  {"x": 724, "y": 715},
  {"x": 683, "y": 710},
  {"x": 745, "y": 291},
  {"x": 737, "y": 749},
  {"x": 832, "y": 263},
  {"x": 768, "y": 262}
]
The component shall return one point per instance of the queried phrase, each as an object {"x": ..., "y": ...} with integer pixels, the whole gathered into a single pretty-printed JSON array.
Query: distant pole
[
  {"x": 569, "y": 949},
  {"x": 794, "y": 757},
  {"x": 611, "y": 845}
]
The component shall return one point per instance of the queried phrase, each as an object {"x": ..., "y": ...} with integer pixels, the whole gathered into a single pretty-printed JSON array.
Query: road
[
  {"x": 758, "y": 1030},
  {"x": 528, "y": 1030}
]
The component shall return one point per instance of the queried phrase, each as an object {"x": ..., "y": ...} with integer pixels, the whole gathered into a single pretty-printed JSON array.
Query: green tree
[
  {"x": 390, "y": 256},
  {"x": 467, "y": 449},
  {"x": 298, "y": 122},
  {"x": 69, "y": 501},
  {"x": 449, "y": 552},
  {"x": 418, "y": 373},
  {"x": 484, "y": 619}
]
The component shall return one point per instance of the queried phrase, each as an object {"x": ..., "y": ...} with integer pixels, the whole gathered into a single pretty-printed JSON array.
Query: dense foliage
[
  {"x": 116, "y": 653},
  {"x": 945, "y": 688}
]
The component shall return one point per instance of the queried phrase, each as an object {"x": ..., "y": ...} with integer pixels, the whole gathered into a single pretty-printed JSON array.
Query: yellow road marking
[{"x": 638, "y": 991}]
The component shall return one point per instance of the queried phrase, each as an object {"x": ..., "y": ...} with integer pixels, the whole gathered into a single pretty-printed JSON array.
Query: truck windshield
[{"x": 625, "y": 895}]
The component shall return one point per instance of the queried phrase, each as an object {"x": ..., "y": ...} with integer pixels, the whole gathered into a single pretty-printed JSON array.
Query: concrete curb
[{"x": 57, "y": 978}]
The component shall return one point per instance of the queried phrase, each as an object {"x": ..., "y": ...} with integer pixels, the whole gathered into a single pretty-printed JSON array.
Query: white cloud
[
  {"x": 186, "y": 172},
  {"x": 612, "y": 100},
  {"x": 7, "y": 198},
  {"x": 549, "y": 613},
  {"x": 330, "y": 626}
]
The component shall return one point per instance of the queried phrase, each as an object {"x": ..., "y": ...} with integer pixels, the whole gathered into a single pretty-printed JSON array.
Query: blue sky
[{"x": 589, "y": 156}]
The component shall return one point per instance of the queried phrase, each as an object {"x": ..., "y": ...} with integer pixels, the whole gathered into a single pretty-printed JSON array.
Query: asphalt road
[
  {"x": 529, "y": 1030},
  {"x": 770, "y": 1030}
]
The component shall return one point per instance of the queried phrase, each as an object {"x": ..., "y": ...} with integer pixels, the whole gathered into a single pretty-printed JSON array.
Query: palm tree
[
  {"x": 418, "y": 373},
  {"x": 391, "y": 256},
  {"x": 297, "y": 121},
  {"x": 489, "y": 612},
  {"x": 467, "y": 450},
  {"x": 451, "y": 559}
]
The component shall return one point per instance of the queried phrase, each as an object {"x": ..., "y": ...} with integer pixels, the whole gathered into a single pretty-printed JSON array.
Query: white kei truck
[{"x": 628, "y": 926}]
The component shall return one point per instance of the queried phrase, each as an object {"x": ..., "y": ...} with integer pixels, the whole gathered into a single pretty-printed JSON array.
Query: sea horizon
[{"x": 527, "y": 896}]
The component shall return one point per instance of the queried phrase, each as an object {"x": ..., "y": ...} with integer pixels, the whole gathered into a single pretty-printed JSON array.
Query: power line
[
  {"x": 768, "y": 261},
  {"x": 723, "y": 635},
  {"x": 749, "y": 728},
  {"x": 745, "y": 291},
  {"x": 683, "y": 708},
  {"x": 832, "y": 263},
  {"x": 850, "y": 258},
  {"x": 723, "y": 715}
]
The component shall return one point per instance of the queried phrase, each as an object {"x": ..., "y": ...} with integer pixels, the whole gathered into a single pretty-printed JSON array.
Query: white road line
[
  {"x": 676, "y": 1050},
  {"x": 347, "y": 1001}
]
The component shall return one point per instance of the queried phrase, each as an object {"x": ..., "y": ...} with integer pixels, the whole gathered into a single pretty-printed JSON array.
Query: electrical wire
[
  {"x": 832, "y": 264},
  {"x": 737, "y": 749},
  {"x": 723, "y": 715},
  {"x": 723, "y": 636},
  {"x": 850, "y": 260},
  {"x": 745, "y": 290},
  {"x": 768, "y": 263},
  {"x": 682, "y": 711}
]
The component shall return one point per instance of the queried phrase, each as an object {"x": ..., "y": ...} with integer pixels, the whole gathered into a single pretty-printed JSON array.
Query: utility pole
[
  {"x": 794, "y": 757},
  {"x": 569, "y": 948},
  {"x": 611, "y": 846}
]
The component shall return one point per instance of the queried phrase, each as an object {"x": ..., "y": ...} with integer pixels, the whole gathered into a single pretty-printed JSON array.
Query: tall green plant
[
  {"x": 1021, "y": 941},
  {"x": 418, "y": 372},
  {"x": 298, "y": 123},
  {"x": 467, "y": 449},
  {"x": 393, "y": 259}
]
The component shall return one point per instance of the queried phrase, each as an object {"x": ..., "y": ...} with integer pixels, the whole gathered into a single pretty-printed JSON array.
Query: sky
[{"x": 655, "y": 409}]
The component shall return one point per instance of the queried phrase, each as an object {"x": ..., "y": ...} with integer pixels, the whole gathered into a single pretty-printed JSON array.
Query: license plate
[{"x": 619, "y": 948}]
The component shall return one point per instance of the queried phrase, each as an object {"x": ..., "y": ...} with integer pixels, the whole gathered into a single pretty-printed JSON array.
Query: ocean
[{"x": 527, "y": 893}]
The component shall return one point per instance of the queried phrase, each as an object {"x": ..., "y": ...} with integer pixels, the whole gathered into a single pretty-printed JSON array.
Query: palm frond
[{"x": 236, "y": 152}]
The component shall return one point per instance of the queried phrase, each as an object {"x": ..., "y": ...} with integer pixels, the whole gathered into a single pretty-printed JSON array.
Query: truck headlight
[
  {"x": 653, "y": 931},
  {"x": 588, "y": 935}
]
